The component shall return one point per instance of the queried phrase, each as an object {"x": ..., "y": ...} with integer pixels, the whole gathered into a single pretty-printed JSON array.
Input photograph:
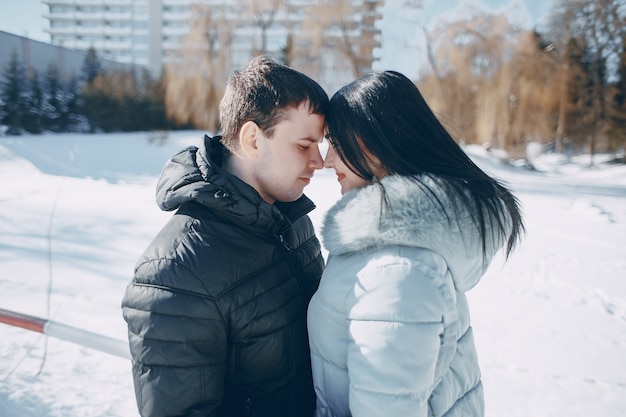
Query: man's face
[{"x": 289, "y": 158}]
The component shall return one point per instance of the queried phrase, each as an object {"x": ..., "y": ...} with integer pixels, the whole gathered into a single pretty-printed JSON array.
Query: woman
[{"x": 417, "y": 226}]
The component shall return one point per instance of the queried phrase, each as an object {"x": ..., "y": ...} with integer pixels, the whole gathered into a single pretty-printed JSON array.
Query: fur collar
[{"x": 360, "y": 221}]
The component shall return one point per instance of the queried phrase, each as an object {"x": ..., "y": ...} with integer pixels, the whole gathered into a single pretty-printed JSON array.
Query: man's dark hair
[{"x": 261, "y": 92}]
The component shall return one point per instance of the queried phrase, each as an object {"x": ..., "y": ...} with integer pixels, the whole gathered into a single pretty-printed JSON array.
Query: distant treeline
[
  {"x": 489, "y": 81},
  {"x": 94, "y": 101},
  {"x": 501, "y": 86}
]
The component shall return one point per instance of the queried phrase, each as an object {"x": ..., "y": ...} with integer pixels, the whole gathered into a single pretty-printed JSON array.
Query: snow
[{"x": 77, "y": 210}]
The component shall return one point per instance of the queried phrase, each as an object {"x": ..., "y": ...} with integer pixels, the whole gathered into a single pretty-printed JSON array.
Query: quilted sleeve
[
  {"x": 178, "y": 347},
  {"x": 395, "y": 316}
]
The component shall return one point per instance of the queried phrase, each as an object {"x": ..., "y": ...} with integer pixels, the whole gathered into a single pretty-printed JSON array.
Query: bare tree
[
  {"x": 196, "y": 76},
  {"x": 598, "y": 26},
  {"x": 342, "y": 26},
  {"x": 472, "y": 52},
  {"x": 492, "y": 81},
  {"x": 560, "y": 32},
  {"x": 263, "y": 15},
  {"x": 323, "y": 39},
  {"x": 533, "y": 91}
]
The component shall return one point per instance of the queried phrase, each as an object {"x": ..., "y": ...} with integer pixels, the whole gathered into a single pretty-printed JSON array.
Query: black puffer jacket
[{"x": 216, "y": 309}]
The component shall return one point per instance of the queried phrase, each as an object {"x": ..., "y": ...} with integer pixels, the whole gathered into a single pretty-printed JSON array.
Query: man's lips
[{"x": 306, "y": 180}]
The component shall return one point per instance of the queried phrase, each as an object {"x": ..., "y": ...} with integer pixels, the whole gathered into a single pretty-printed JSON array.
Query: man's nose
[{"x": 317, "y": 162}]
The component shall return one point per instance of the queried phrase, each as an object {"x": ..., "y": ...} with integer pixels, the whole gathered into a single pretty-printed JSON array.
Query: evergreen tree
[
  {"x": 72, "y": 119},
  {"x": 55, "y": 100},
  {"x": 14, "y": 95},
  {"x": 35, "y": 106},
  {"x": 153, "y": 107},
  {"x": 92, "y": 66}
]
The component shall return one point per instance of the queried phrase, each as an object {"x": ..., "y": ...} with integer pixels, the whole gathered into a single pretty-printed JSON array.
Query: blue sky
[
  {"x": 536, "y": 9},
  {"x": 403, "y": 46},
  {"x": 24, "y": 18}
]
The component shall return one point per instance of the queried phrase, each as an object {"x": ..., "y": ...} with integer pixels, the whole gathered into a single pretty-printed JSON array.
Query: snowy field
[{"x": 76, "y": 211}]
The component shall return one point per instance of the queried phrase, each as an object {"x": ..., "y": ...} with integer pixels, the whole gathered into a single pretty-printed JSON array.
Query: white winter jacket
[{"x": 389, "y": 325}]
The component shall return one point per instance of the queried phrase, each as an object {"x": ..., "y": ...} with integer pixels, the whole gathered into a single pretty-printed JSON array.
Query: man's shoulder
[{"x": 209, "y": 251}]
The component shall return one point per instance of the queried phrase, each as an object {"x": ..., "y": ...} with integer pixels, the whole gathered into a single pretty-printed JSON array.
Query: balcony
[
  {"x": 110, "y": 15},
  {"x": 118, "y": 45},
  {"x": 175, "y": 31},
  {"x": 89, "y": 15},
  {"x": 176, "y": 16},
  {"x": 60, "y": 16},
  {"x": 117, "y": 30},
  {"x": 64, "y": 31},
  {"x": 59, "y": 2}
]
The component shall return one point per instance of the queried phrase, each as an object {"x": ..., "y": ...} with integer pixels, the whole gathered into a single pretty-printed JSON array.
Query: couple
[{"x": 217, "y": 310}]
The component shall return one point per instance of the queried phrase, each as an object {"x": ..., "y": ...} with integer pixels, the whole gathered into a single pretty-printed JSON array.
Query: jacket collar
[{"x": 195, "y": 175}]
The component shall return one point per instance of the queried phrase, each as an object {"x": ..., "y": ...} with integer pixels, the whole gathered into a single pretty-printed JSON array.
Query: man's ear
[{"x": 248, "y": 137}]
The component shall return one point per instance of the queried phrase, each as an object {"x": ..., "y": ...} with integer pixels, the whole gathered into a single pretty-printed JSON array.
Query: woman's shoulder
[{"x": 400, "y": 283}]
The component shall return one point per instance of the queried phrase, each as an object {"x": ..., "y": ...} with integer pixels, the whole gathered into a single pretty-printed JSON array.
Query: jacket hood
[
  {"x": 417, "y": 213},
  {"x": 195, "y": 175}
]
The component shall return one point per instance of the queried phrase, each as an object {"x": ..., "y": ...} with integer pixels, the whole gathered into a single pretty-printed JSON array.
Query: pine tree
[
  {"x": 55, "y": 101},
  {"x": 14, "y": 95},
  {"x": 92, "y": 66},
  {"x": 72, "y": 119},
  {"x": 35, "y": 106}
]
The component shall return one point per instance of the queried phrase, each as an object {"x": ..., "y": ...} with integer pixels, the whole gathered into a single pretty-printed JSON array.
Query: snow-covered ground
[{"x": 76, "y": 211}]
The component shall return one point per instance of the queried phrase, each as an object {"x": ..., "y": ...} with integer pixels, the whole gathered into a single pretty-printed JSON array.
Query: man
[{"x": 216, "y": 309}]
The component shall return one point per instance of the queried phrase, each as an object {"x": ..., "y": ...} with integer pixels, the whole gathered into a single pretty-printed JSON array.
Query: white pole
[
  {"x": 68, "y": 333},
  {"x": 88, "y": 339}
]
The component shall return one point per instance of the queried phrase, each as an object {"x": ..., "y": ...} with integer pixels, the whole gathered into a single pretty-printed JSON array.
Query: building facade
[{"x": 149, "y": 33}]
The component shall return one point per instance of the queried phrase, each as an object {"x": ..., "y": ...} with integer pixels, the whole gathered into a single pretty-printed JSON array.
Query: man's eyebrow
[{"x": 320, "y": 140}]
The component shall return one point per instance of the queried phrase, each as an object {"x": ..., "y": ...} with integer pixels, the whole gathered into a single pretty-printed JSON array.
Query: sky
[
  {"x": 77, "y": 211},
  {"x": 403, "y": 47},
  {"x": 25, "y": 18}
]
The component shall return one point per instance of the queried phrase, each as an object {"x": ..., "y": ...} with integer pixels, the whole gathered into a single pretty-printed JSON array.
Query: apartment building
[{"x": 149, "y": 32}]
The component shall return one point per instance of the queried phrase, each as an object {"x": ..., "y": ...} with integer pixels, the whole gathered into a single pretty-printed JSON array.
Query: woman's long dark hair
[{"x": 386, "y": 113}]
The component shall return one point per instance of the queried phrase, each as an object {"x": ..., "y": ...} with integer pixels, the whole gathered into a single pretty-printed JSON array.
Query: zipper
[
  {"x": 289, "y": 259},
  {"x": 283, "y": 242},
  {"x": 278, "y": 233}
]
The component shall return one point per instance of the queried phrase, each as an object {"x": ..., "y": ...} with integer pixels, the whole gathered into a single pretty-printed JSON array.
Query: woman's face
[{"x": 347, "y": 178}]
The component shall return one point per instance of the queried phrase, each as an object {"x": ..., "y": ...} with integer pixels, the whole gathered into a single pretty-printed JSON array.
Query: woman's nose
[
  {"x": 317, "y": 161},
  {"x": 330, "y": 157}
]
